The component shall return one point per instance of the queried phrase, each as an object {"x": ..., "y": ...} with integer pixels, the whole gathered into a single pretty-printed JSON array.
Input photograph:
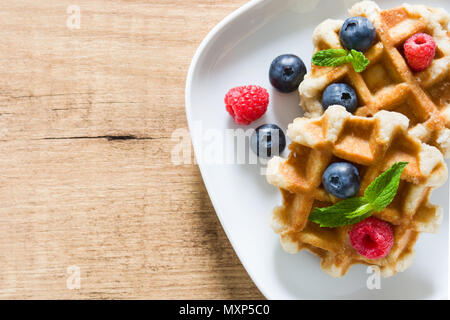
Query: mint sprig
[
  {"x": 378, "y": 195},
  {"x": 337, "y": 57}
]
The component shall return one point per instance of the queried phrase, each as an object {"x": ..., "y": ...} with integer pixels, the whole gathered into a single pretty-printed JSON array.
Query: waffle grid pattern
[
  {"x": 388, "y": 83},
  {"x": 373, "y": 145}
]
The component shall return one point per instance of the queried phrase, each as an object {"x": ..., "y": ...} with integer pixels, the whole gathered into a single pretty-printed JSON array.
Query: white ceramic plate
[{"x": 237, "y": 52}]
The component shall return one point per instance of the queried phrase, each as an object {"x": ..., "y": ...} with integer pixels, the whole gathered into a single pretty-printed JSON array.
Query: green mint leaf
[
  {"x": 378, "y": 195},
  {"x": 330, "y": 57},
  {"x": 348, "y": 211},
  {"x": 337, "y": 57},
  {"x": 383, "y": 189},
  {"x": 358, "y": 61}
]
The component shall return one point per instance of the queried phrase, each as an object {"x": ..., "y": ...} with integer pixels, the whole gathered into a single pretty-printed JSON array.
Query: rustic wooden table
[{"x": 86, "y": 182}]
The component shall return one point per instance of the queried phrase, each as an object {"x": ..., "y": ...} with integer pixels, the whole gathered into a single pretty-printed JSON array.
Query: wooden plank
[{"x": 136, "y": 225}]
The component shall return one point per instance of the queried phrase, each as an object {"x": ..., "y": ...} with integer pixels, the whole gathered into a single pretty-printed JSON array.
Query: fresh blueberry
[
  {"x": 341, "y": 94},
  {"x": 357, "y": 33},
  {"x": 287, "y": 72},
  {"x": 268, "y": 140},
  {"x": 341, "y": 179}
]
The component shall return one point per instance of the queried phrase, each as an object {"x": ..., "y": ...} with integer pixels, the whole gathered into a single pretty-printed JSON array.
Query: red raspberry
[
  {"x": 419, "y": 51},
  {"x": 372, "y": 238},
  {"x": 247, "y": 103}
]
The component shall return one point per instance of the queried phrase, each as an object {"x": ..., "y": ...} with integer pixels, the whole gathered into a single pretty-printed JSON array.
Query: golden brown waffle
[
  {"x": 388, "y": 83},
  {"x": 373, "y": 145}
]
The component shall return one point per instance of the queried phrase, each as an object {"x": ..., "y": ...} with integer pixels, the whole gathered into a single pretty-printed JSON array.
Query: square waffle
[
  {"x": 373, "y": 145},
  {"x": 388, "y": 83}
]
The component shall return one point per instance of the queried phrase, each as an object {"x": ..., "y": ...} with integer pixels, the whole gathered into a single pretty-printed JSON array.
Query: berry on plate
[
  {"x": 357, "y": 33},
  {"x": 268, "y": 140},
  {"x": 247, "y": 103},
  {"x": 341, "y": 179},
  {"x": 287, "y": 72},
  {"x": 419, "y": 51},
  {"x": 372, "y": 238},
  {"x": 341, "y": 94}
]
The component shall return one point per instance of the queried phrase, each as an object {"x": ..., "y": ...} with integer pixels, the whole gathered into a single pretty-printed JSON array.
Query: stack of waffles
[{"x": 405, "y": 116}]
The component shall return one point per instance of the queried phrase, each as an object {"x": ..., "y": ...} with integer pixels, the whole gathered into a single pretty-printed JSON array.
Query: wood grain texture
[{"x": 136, "y": 225}]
